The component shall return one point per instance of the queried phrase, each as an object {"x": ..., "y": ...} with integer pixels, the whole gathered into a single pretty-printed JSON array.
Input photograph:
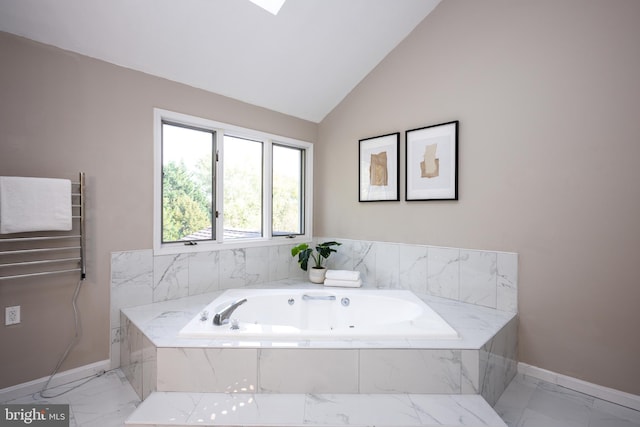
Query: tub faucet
[{"x": 222, "y": 317}]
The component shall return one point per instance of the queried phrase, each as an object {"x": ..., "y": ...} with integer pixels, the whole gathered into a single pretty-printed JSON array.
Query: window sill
[{"x": 181, "y": 248}]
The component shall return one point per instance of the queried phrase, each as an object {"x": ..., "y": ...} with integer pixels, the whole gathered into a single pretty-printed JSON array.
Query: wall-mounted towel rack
[{"x": 36, "y": 254}]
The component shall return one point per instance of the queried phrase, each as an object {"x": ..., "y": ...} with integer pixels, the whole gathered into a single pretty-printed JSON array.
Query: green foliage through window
[
  {"x": 186, "y": 210},
  {"x": 260, "y": 192},
  {"x": 242, "y": 192},
  {"x": 187, "y": 184}
]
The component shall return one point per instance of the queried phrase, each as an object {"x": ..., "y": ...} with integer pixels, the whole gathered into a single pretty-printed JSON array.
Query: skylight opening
[{"x": 271, "y": 6}]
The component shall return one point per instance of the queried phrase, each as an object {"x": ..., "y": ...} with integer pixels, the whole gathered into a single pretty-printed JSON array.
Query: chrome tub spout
[{"x": 223, "y": 316}]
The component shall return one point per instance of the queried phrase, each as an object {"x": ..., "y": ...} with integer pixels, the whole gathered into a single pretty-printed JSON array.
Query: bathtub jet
[{"x": 303, "y": 314}]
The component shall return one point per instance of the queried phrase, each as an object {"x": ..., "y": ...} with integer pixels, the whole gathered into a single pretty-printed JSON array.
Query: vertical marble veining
[
  {"x": 124, "y": 347},
  {"x": 478, "y": 278},
  {"x": 115, "y": 342},
  {"x": 498, "y": 364},
  {"x": 443, "y": 272},
  {"x": 138, "y": 359},
  {"x": 364, "y": 261},
  {"x": 131, "y": 285},
  {"x": 149, "y": 367},
  {"x": 131, "y": 281},
  {"x": 256, "y": 265},
  {"x": 413, "y": 268},
  {"x": 232, "y": 268},
  {"x": 507, "y": 270},
  {"x": 170, "y": 277},
  {"x": 204, "y": 272},
  {"x": 131, "y": 356},
  {"x": 343, "y": 258},
  {"x": 469, "y": 372}
]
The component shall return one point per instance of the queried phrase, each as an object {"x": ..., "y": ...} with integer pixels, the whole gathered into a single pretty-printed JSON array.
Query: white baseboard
[
  {"x": 24, "y": 389},
  {"x": 605, "y": 393}
]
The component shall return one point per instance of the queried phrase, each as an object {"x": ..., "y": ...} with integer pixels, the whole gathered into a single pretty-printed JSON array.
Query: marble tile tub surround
[
  {"x": 486, "y": 278},
  {"x": 481, "y": 362},
  {"x": 138, "y": 277}
]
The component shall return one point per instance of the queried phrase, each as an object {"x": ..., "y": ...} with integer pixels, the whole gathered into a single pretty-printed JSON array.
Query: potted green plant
[{"x": 305, "y": 253}]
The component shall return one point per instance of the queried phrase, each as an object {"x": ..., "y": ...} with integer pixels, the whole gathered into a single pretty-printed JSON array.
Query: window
[
  {"x": 218, "y": 185},
  {"x": 288, "y": 190},
  {"x": 243, "y": 187},
  {"x": 188, "y": 188}
]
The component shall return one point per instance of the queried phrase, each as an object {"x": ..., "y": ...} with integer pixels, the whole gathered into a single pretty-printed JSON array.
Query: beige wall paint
[
  {"x": 61, "y": 113},
  {"x": 548, "y": 98}
]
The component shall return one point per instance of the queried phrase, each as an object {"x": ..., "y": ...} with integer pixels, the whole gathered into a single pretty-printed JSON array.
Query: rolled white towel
[
  {"x": 343, "y": 283},
  {"x": 350, "y": 275}
]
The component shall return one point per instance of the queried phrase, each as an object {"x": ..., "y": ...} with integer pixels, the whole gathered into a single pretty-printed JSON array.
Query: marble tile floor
[
  {"x": 528, "y": 402},
  {"x": 105, "y": 401},
  {"x": 109, "y": 400}
]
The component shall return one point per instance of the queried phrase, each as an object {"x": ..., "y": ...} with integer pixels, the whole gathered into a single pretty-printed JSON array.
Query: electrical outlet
[{"x": 12, "y": 315}]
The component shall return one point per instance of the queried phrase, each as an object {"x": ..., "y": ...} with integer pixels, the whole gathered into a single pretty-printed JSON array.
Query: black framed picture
[
  {"x": 379, "y": 168},
  {"x": 431, "y": 171}
]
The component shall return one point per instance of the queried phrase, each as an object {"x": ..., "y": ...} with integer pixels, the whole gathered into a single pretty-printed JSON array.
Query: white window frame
[{"x": 222, "y": 129}]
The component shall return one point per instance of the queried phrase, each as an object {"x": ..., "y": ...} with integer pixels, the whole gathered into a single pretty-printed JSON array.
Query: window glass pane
[
  {"x": 187, "y": 183},
  {"x": 242, "y": 188},
  {"x": 288, "y": 183}
]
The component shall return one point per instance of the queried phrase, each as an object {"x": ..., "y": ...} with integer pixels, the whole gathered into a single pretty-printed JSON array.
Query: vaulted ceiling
[{"x": 302, "y": 61}]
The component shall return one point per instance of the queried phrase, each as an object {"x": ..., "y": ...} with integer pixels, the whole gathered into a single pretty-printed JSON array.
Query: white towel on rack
[{"x": 34, "y": 204}]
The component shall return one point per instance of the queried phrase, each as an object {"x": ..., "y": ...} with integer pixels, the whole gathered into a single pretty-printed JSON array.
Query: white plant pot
[{"x": 316, "y": 275}]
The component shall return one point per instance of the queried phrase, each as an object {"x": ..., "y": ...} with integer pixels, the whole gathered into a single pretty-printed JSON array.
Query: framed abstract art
[
  {"x": 431, "y": 154},
  {"x": 379, "y": 172}
]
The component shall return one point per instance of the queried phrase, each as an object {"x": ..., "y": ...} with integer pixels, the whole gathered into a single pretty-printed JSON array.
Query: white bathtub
[{"x": 300, "y": 314}]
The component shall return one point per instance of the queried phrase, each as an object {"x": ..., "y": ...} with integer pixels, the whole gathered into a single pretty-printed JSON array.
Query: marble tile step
[{"x": 308, "y": 410}]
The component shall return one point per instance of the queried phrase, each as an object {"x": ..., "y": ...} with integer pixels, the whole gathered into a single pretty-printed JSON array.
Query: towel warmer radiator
[{"x": 42, "y": 251}]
